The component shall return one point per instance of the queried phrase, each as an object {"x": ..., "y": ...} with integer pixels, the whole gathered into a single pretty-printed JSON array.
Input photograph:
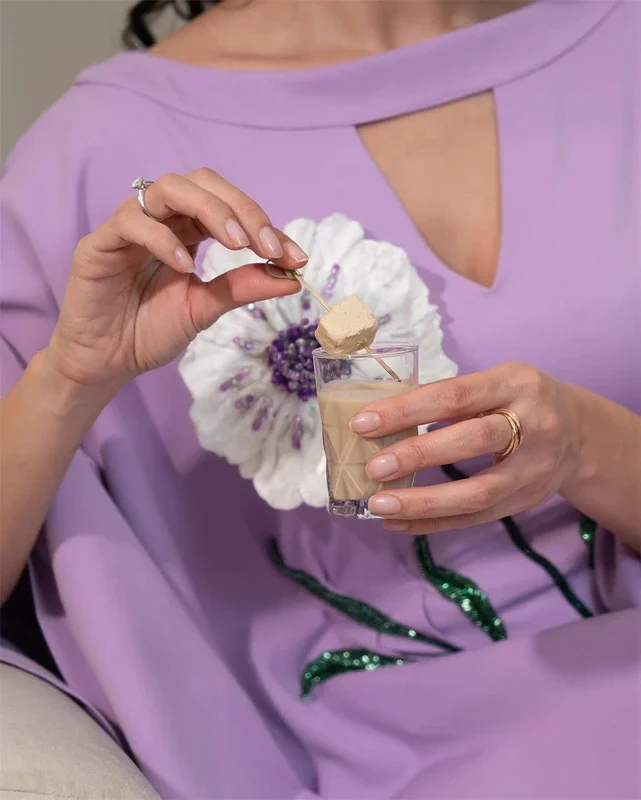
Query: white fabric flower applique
[{"x": 251, "y": 375}]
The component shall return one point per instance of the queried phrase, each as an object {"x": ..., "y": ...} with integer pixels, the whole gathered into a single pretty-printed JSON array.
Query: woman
[{"x": 499, "y": 147}]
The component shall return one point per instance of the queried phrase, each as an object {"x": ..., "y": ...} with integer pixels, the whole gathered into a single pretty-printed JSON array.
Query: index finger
[
  {"x": 266, "y": 240},
  {"x": 442, "y": 401}
]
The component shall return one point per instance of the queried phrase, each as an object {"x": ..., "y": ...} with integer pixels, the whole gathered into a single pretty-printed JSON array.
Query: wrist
[
  {"x": 585, "y": 456},
  {"x": 63, "y": 394}
]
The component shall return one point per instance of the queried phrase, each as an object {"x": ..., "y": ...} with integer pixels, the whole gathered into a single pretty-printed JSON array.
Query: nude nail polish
[
  {"x": 382, "y": 466},
  {"x": 269, "y": 242},
  {"x": 184, "y": 260},
  {"x": 294, "y": 252},
  {"x": 384, "y": 505},
  {"x": 236, "y": 234},
  {"x": 367, "y": 422}
]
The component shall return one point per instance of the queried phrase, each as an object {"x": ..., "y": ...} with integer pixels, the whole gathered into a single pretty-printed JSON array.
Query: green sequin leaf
[
  {"x": 339, "y": 662},
  {"x": 461, "y": 590}
]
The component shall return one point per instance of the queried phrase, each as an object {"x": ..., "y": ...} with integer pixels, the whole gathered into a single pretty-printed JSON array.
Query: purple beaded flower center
[{"x": 289, "y": 357}]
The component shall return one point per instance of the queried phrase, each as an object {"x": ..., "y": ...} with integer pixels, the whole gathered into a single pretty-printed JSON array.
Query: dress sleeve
[
  {"x": 41, "y": 221},
  {"x": 63, "y": 179}
]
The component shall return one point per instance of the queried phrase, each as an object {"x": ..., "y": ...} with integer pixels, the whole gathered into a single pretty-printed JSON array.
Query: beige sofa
[{"x": 50, "y": 749}]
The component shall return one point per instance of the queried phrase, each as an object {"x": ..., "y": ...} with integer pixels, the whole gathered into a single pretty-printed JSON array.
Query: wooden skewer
[{"x": 292, "y": 274}]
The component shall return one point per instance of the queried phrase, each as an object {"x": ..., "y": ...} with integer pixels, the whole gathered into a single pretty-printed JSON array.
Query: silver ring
[{"x": 140, "y": 185}]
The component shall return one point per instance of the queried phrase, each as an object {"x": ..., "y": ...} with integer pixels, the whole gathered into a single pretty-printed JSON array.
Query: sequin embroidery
[
  {"x": 339, "y": 662},
  {"x": 519, "y": 541},
  {"x": 356, "y": 610},
  {"x": 458, "y": 589},
  {"x": 587, "y": 530}
]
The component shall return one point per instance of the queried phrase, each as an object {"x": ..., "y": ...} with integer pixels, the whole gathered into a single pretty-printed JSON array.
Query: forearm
[
  {"x": 607, "y": 483},
  {"x": 43, "y": 420}
]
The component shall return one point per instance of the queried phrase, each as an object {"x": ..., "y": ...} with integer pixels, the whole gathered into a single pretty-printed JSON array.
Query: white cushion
[{"x": 51, "y": 748}]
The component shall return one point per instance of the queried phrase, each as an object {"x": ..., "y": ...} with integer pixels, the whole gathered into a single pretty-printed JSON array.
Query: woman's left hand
[{"x": 547, "y": 457}]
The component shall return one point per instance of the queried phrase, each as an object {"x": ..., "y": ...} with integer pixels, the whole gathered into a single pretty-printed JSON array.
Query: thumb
[{"x": 238, "y": 287}]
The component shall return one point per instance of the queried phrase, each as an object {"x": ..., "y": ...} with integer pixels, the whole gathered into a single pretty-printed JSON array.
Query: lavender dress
[{"x": 152, "y": 580}]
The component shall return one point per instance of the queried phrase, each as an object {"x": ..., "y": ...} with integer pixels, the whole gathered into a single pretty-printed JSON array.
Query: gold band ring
[{"x": 517, "y": 433}]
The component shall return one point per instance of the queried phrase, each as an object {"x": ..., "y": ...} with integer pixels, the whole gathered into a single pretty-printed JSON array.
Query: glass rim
[{"x": 388, "y": 349}]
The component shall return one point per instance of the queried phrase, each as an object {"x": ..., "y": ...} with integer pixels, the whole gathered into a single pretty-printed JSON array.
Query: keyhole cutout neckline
[
  {"x": 480, "y": 58},
  {"x": 486, "y": 277}
]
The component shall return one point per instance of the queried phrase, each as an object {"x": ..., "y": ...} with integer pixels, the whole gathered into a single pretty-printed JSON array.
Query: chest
[{"x": 443, "y": 165}]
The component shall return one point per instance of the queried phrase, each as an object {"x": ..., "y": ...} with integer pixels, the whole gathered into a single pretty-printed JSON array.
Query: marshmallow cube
[{"x": 348, "y": 327}]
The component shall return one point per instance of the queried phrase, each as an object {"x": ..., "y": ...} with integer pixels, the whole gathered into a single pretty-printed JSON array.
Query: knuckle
[
  {"x": 455, "y": 396},
  {"x": 168, "y": 181},
  {"x": 416, "y": 452},
  {"x": 401, "y": 414},
  {"x": 203, "y": 174},
  {"x": 483, "y": 495},
  {"x": 550, "y": 425},
  {"x": 484, "y": 438},
  {"x": 507, "y": 370},
  {"x": 501, "y": 382},
  {"x": 214, "y": 207},
  {"x": 422, "y": 506},
  {"x": 532, "y": 382},
  {"x": 249, "y": 210}
]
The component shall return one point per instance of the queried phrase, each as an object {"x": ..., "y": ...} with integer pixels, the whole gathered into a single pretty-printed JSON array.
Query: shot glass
[{"x": 346, "y": 385}]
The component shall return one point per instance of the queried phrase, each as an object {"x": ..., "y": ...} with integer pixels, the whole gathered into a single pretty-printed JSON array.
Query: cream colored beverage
[{"x": 347, "y": 453}]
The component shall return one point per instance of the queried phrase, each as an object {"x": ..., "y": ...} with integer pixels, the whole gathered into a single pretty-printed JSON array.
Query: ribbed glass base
[{"x": 351, "y": 509}]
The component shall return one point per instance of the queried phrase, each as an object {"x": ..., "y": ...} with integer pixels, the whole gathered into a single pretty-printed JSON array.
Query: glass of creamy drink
[{"x": 346, "y": 385}]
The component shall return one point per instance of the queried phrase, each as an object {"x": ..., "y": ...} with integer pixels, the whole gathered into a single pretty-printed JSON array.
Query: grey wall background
[{"x": 43, "y": 46}]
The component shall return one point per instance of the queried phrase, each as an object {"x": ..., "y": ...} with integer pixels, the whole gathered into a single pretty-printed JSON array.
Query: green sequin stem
[
  {"x": 528, "y": 551},
  {"x": 339, "y": 662},
  {"x": 356, "y": 610},
  {"x": 557, "y": 578},
  {"x": 587, "y": 529},
  {"x": 458, "y": 589}
]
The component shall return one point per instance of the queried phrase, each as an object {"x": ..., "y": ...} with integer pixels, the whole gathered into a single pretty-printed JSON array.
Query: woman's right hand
[{"x": 133, "y": 302}]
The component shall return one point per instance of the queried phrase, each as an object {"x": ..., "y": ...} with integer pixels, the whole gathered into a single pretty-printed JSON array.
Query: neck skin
[{"x": 281, "y": 34}]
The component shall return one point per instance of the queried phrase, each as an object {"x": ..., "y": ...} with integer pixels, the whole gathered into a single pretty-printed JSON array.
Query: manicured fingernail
[
  {"x": 236, "y": 234},
  {"x": 396, "y": 525},
  {"x": 365, "y": 423},
  {"x": 184, "y": 260},
  {"x": 382, "y": 466},
  {"x": 384, "y": 505},
  {"x": 269, "y": 242},
  {"x": 294, "y": 253}
]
